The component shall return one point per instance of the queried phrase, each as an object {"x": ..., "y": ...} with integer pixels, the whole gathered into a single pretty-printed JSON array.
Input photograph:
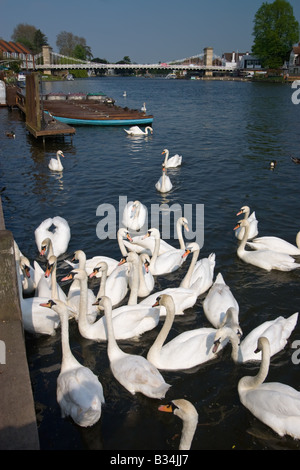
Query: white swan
[
  {"x": 140, "y": 244},
  {"x": 134, "y": 215},
  {"x": 275, "y": 404},
  {"x": 167, "y": 262},
  {"x": 115, "y": 286},
  {"x": 48, "y": 286},
  {"x": 136, "y": 130},
  {"x": 184, "y": 351},
  {"x": 143, "y": 108},
  {"x": 164, "y": 184},
  {"x": 189, "y": 415},
  {"x": 60, "y": 236},
  {"x": 134, "y": 372},
  {"x": 277, "y": 331},
  {"x": 36, "y": 319},
  {"x": 55, "y": 164},
  {"x": 79, "y": 392},
  {"x": 146, "y": 279},
  {"x": 276, "y": 244},
  {"x": 253, "y": 223},
  {"x": 74, "y": 293},
  {"x": 129, "y": 320},
  {"x": 27, "y": 271},
  {"x": 218, "y": 300},
  {"x": 172, "y": 162},
  {"x": 200, "y": 273},
  {"x": 265, "y": 259}
]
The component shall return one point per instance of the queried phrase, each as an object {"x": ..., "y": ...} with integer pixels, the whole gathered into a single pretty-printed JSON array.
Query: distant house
[
  {"x": 294, "y": 61},
  {"x": 16, "y": 50},
  {"x": 232, "y": 59},
  {"x": 250, "y": 62}
]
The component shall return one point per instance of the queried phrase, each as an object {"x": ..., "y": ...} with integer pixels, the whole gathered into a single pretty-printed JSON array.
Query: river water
[{"x": 227, "y": 133}]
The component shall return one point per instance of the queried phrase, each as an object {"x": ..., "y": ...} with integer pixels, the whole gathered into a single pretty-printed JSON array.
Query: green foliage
[{"x": 275, "y": 31}]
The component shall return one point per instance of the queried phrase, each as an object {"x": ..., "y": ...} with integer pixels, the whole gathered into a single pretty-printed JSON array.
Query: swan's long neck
[
  {"x": 256, "y": 380},
  {"x": 187, "y": 278},
  {"x": 188, "y": 431},
  {"x": 163, "y": 182},
  {"x": 101, "y": 291},
  {"x": 242, "y": 245},
  {"x": 82, "y": 320},
  {"x": 166, "y": 157},
  {"x": 65, "y": 343},
  {"x": 155, "y": 350},
  {"x": 155, "y": 251},
  {"x": 113, "y": 349},
  {"x": 233, "y": 338},
  {"x": 142, "y": 282},
  {"x": 134, "y": 288},
  {"x": 122, "y": 246},
  {"x": 54, "y": 291},
  {"x": 179, "y": 228}
]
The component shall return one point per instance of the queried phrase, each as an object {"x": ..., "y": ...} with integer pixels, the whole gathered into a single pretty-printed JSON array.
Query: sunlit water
[{"x": 227, "y": 133}]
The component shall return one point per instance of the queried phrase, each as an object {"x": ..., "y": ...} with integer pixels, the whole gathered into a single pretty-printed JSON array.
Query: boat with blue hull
[{"x": 93, "y": 109}]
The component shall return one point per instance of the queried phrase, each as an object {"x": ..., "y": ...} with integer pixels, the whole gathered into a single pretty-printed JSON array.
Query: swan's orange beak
[
  {"x": 156, "y": 304},
  {"x": 93, "y": 274},
  {"x": 129, "y": 237},
  {"x": 47, "y": 272},
  {"x": 46, "y": 304},
  {"x": 146, "y": 264},
  {"x": 67, "y": 277},
  {"x": 186, "y": 253},
  {"x": 168, "y": 408},
  {"x": 239, "y": 213},
  {"x": 237, "y": 226},
  {"x": 122, "y": 261},
  {"x": 43, "y": 251}
]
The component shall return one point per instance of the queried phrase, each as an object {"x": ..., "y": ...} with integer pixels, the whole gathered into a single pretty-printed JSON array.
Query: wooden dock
[{"x": 38, "y": 123}]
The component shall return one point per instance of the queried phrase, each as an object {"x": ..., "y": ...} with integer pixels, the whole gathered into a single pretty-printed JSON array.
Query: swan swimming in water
[
  {"x": 189, "y": 415},
  {"x": 277, "y": 331},
  {"x": 172, "y": 162},
  {"x": 134, "y": 372},
  {"x": 55, "y": 164},
  {"x": 79, "y": 392},
  {"x": 134, "y": 215},
  {"x": 218, "y": 300},
  {"x": 136, "y": 130},
  {"x": 184, "y": 351},
  {"x": 253, "y": 223},
  {"x": 276, "y": 244},
  {"x": 265, "y": 259},
  {"x": 59, "y": 236},
  {"x": 275, "y": 404},
  {"x": 164, "y": 184}
]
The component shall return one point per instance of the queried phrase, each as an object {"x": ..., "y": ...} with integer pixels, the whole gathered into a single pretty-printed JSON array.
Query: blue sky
[{"x": 148, "y": 31}]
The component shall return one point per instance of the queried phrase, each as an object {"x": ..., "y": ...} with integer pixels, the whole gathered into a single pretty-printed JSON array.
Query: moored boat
[{"x": 92, "y": 109}]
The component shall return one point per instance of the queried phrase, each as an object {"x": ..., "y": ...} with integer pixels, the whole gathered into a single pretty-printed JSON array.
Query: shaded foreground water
[{"x": 227, "y": 133}]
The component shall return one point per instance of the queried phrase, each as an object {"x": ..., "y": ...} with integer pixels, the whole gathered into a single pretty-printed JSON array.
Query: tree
[
  {"x": 24, "y": 33},
  {"x": 67, "y": 42},
  {"x": 275, "y": 31},
  {"x": 39, "y": 40}
]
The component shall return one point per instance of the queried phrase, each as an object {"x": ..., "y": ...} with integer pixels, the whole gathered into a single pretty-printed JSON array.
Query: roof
[
  {"x": 13, "y": 47},
  {"x": 296, "y": 49}
]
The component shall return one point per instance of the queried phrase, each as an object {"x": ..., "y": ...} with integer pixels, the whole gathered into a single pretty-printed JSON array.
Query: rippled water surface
[{"x": 227, "y": 133}]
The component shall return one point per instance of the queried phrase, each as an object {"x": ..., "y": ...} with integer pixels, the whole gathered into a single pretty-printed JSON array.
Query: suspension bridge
[{"x": 206, "y": 61}]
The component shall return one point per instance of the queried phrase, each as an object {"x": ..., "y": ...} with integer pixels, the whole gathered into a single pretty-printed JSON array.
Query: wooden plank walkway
[{"x": 38, "y": 123}]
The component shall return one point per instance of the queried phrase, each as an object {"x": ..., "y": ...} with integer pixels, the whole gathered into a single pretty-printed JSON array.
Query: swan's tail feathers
[
  {"x": 219, "y": 279},
  {"x": 212, "y": 257},
  {"x": 292, "y": 321}
]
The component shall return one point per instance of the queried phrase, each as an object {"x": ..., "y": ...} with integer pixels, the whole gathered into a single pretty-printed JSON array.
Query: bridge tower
[
  {"x": 46, "y": 50},
  {"x": 208, "y": 60}
]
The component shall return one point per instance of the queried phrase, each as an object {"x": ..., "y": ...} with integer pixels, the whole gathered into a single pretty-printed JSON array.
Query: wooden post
[{"x": 33, "y": 107}]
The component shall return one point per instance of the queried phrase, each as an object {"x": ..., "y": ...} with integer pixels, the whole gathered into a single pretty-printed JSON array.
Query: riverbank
[{"x": 18, "y": 427}]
